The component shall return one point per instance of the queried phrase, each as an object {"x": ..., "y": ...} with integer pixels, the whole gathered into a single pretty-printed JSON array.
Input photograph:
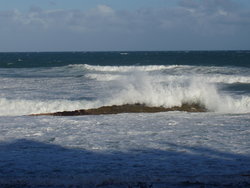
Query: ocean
[{"x": 174, "y": 149}]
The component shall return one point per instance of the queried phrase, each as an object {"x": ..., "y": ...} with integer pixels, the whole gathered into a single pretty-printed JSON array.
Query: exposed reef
[{"x": 127, "y": 108}]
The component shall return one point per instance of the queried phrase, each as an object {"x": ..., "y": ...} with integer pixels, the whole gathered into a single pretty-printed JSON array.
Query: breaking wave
[
  {"x": 13, "y": 107},
  {"x": 124, "y": 68},
  {"x": 139, "y": 87},
  {"x": 208, "y": 78},
  {"x": 172, "y": 68},
  {"x": 166, "y": 86},
  {"x": 170, "y": 86}
]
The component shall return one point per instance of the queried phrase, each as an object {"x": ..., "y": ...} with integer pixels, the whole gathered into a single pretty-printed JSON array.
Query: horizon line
[{"x": 121, "y": 51}]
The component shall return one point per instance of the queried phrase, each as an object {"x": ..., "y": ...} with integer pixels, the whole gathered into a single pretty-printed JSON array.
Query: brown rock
[{"x": 127, "y": 108}]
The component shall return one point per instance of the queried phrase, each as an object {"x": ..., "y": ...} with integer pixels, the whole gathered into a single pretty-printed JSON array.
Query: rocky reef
[{"x": 127, "y": 108}]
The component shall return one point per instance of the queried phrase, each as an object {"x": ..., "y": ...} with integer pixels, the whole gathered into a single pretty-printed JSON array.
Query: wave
[
  {"x": 168, "y": 72},
  {"x": 123, "y": 68},
  {"x": 16, "y": 107},
  {"x": 228, "y": 79},
  {"x": 215, "y": 103},
  {"x": 139, "y": 88},
  {"x": 168, "y": 68},
  {"x": 150, "y": 85}
]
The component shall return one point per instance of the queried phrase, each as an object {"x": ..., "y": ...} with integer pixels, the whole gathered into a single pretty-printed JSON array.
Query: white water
[
  {"x": 203, "y": 78},
  {"x": 121, "y": 150},
  {"x": 26, "y": 107},
  {"x": 95, "y": 86},
  {"x": 125, "y": 68}
]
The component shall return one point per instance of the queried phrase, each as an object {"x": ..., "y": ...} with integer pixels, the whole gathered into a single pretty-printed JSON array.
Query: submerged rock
[{"x": 127, "y": 108}]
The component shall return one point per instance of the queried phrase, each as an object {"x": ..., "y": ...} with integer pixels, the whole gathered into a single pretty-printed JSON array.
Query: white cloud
[
  {"x": 105, "y": 9},
  {"x": 191, "y": 19},
  {"x": 103, "y": 17}
]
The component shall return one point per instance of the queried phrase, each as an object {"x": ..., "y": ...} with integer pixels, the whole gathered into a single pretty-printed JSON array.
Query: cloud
[
  {"x": 191, "y": 21},
  {"x": 214, "y": 16},
  {"x": 209, "y": 6},
  {"x": 104, "y": 9},
  {"x": 190, "y": 14}
]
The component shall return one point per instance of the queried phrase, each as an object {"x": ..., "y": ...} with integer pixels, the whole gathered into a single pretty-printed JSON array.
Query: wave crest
[
  {"x": 149, "y": 85},
  {"x": 124, "y": 68},
  {"x": 141, "y": 88}
]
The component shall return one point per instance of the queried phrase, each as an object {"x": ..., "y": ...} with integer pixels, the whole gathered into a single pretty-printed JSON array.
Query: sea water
[{"x": 177, "y": 149}]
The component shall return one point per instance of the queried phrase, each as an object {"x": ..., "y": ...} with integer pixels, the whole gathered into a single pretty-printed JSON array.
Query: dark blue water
[{"x": 55, "y": 59}]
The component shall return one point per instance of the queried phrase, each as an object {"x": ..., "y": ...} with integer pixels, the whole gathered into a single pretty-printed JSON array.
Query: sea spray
[
  {"x": 14, "y": 107},
  {"x": 142, "y": 87},
  {"x": 90, "y": 86}
]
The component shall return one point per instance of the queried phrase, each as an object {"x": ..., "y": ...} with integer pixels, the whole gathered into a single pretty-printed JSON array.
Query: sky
[{"x": 124, "y": 25}]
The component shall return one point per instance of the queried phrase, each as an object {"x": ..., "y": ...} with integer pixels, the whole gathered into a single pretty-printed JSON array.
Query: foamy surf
[
  {"x": 136, "y": 150},
  {"x": 16, "y": 107},
  {"x": 139, "y": 88},
  {"x": 143, "y": 89},
  {"x": 177, "y": 69},
  {"x": 124, "y": 68},
  {"x": 153, "y": 85},
  {"x": 215, "y": 78}
]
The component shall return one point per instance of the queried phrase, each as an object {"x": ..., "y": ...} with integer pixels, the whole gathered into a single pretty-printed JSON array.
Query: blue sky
[{"x": 103, "y": 25}]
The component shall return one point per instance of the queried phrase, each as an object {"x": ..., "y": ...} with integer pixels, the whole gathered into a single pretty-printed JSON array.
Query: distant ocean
[{"x": 124, "y": 149}]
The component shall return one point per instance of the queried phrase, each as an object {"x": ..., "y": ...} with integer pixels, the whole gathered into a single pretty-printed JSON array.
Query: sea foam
[
  {"x": 139, "y": 87},
  {"x": 14, "y": 107},
  {"x": 124, "y": 68},
  {"x": 166, "y": 89},
  {"x": 162, "y": 85}
]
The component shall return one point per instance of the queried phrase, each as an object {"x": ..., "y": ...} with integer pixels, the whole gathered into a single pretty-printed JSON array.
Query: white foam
[
  {"x": 229, "y": 79},
  {"x": 153, "y": 85},
  {"x": 117, "y": 150},
  {"x": 124, "y": 68},
  {"x": 139, "y": 87},
  {"x": 13, "y": 107},
  {"x": 103, "y": 77},
  {"x": 169, "y": 73},
  {"x": 214, "y": 78},
  {"x": 177, "y": 69}
]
